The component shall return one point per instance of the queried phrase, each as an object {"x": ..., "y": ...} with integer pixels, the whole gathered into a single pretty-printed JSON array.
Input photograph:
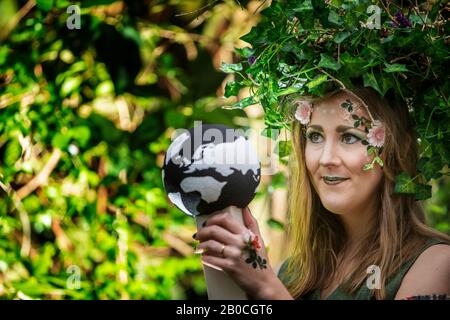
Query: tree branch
[
  {"x": 16, "y": 19},
  {"x": 42, "y": 176}
]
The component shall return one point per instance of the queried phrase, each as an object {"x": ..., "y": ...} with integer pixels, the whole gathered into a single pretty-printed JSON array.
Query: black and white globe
[{"x": 209, "y": 168}]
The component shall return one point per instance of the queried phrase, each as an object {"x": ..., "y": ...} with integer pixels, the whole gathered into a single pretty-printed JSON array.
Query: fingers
[
  {"x": 218, "y": 263},
  {"x": 226, "y": 221},
  {"x": 219, "y": 234},
  {"x": 217, "y": 249},
  {"x": 249, "y": 221}
]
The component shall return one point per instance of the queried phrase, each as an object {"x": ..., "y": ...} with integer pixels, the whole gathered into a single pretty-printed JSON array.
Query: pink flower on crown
[
  {"x": 303, "y": 112},
  {"x": 376, "y": 134}
]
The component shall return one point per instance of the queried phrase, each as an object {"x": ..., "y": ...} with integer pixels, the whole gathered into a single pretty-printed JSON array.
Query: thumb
[{"x": 250, "y": 221}]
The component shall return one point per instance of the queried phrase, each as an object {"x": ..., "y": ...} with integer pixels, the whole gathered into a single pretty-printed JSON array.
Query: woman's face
[{"x": 335, "y": 157}]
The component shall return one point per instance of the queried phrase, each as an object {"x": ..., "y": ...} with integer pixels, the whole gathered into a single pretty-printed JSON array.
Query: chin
[{"x": 336, "y": 206}]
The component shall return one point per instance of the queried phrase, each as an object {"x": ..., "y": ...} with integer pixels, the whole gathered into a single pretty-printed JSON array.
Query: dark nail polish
[
  {"x": 194, "y": 235},
  {"x": 204, "y": 223}
]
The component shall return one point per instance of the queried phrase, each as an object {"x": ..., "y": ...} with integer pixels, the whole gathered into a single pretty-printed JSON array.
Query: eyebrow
[{"x": 339, "y": 129}]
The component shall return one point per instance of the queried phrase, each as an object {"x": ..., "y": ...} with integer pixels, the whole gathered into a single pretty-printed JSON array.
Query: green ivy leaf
[
  {"x": 396, "y": 67},
  {"x": 244, "y": 52},
  {"x": 302, "y": 6},
  {"x": 328, "y": 62},
  {"x": 371, "y": 81},
  {"x": 404, "y": 184},
  {"x": 287, "y": 91},
  {"x": 335, "y": 18},
  {"x": 351, "y": 66},
  {"x": 430, "y": 167},
  {"x": 257, "y": 35},
  {"x": 317, "y": 81},
  {"x": 422, "y": 191},
  {"x": 244, "y": 103},
  {"x": 341, "y": 36},
  {"x": 231, "y": 89},
  {"x": 231, "y": 67}
]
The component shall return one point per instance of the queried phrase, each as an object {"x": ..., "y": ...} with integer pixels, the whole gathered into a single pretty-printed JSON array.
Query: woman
[{"x": 351, "y": 236}]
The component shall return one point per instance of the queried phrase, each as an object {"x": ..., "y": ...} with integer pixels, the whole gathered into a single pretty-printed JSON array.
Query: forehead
[{"x": 329, "y": 109}]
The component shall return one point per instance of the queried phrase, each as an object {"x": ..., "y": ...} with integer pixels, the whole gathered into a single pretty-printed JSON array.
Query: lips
[{"x": 333, "y": 180}]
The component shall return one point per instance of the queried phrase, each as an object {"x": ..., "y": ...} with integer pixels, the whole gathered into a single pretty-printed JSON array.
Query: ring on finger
[{"x": 222, "y": 250}]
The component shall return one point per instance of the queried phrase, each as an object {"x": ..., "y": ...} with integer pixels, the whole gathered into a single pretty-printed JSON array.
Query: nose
[{"x": 329, "y": 156}]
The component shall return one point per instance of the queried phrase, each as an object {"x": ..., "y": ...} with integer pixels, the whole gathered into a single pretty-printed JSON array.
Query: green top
[{"x": 364, "y": 293}]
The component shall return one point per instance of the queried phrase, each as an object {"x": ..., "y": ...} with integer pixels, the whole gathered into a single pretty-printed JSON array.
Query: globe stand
[{"x": 219, "y": 285}]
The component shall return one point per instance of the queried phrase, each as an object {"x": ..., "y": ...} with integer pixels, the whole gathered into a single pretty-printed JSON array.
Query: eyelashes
[
  {"x": 353, "y": 137},
  {"x": 314, "y": 137},
  {"x": 347, "y": 138}
]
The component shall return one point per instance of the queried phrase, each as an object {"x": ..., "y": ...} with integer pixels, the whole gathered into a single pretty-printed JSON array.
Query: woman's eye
[
  {"x": 315, "y": 137},
  {"x": 349, "y": 138}
]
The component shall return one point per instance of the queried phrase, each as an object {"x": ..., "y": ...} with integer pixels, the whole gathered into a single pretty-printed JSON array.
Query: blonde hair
[{"x": 317, "y": 235}]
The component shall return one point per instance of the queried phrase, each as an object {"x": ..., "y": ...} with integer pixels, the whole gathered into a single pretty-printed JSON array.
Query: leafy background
[{"x": 85, "y": 118}]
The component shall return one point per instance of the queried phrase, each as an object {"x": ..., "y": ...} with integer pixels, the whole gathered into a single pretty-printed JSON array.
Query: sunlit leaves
[
  {"x": 231, "y": 89},
  {"x": 245, "y": 52},
  {"x": 248, "y": 101},
  {"x": 12, "y": 153},
  {"x": 317, "y": 81},
  {"x": 231, "y": 67},
  {"x": 396, "y": 67}
]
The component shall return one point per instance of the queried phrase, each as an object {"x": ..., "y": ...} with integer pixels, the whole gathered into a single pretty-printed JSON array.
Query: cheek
[
  {"x": 372, "y": 179},
  {"x": 365, "y": 181},
  {"x": 355, "y": 158},
  {"x": 311, "y": 158}
]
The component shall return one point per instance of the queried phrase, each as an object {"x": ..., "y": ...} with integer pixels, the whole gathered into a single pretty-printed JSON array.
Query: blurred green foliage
[{"x": 85, "y": 117}]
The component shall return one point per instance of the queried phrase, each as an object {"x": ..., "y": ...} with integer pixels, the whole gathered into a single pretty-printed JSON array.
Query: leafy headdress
[{"x": 398, "y": 48}]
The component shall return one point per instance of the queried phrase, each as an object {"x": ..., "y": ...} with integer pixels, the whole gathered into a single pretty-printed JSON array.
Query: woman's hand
[{"x": 240, "y": 252}]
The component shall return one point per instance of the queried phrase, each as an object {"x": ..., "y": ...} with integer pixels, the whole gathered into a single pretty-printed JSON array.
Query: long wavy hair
[{"x": 317, "y": 236}]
